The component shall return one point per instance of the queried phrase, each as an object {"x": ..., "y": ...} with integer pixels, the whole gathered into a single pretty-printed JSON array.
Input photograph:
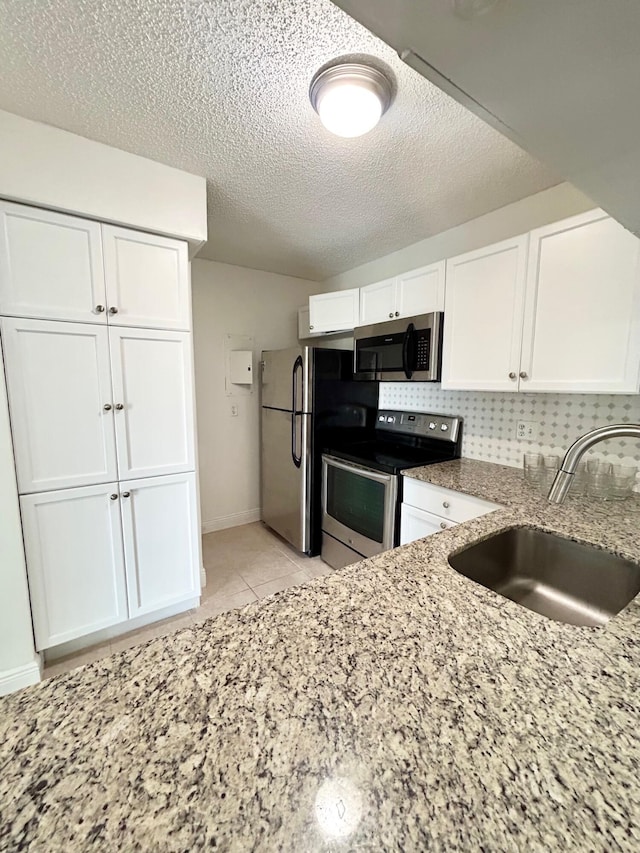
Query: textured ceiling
[{"x": 219, "y": 88}]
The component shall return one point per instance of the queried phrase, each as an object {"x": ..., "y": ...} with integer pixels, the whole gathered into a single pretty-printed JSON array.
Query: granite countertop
[{"x": 393, "y": 705}]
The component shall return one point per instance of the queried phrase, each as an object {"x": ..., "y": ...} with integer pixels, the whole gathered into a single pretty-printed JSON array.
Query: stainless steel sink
[{"x": 556, "y": 577}]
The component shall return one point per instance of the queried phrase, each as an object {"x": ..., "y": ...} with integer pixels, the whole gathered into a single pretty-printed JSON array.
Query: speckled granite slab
[{"x": 393, "y": 705}]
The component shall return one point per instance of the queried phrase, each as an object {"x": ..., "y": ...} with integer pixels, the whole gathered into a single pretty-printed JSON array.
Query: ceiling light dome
[{"x": 350, "y": 98}]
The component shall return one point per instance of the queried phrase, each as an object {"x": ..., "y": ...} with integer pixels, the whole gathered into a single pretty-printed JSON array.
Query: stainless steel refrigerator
[{"x": 309, "y": 402}]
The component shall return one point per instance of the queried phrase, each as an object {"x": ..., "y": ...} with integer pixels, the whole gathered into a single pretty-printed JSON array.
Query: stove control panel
[{"x": 442, "y": 427}]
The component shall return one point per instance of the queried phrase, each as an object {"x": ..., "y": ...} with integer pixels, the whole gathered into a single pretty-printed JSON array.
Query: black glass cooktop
[{"x": 388, "y": 456}]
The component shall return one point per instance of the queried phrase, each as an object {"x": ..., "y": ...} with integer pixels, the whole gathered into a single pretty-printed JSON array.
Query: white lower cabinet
[
  {"x": 99, "y": 555},
  {"x": 159, "y": 516},
  {"x": 428, "y": 509},
  {"x": 75, "y": 562},
  {"x": 417, "y": 523}
]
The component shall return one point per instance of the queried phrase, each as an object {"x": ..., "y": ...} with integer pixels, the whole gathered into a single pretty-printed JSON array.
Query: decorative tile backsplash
[{"x": 490, "y": 419}]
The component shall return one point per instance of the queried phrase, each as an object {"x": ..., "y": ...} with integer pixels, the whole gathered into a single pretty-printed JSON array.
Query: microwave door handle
[
  {"x": 408, "y": 351},
  {"x": 297, "y": 459}
]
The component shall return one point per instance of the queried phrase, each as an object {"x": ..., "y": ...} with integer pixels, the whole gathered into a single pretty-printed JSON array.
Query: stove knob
[
  {"x": 432, "y": 425},
  {"x": 444, "y": 427}
]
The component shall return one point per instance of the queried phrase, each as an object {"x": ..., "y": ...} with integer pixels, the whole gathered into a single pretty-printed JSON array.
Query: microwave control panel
[
  {"x": 442, "y": 427},
  {"x": 423, "y": 349}
]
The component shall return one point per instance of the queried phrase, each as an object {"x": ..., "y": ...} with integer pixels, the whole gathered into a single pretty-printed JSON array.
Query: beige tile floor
[{"x": 242, "y": 564}]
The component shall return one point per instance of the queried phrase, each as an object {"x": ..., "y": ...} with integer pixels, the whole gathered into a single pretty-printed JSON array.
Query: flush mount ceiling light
[
  {"x": 350, "y": 98},
  {"x": 472, "y": 8}
]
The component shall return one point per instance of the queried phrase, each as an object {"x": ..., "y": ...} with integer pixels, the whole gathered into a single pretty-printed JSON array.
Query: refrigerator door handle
[{"x": 297, "y": 459}]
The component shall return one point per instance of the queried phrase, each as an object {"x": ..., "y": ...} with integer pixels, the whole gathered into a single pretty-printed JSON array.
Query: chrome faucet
[{"x": 564, "y": 477}]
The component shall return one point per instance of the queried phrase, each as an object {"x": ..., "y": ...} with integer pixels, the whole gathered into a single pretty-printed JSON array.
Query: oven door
[{"x": 358, "y": 505}]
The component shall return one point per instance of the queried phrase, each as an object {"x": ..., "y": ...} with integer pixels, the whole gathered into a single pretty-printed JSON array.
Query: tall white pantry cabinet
[{"x": 95, "y": 323}]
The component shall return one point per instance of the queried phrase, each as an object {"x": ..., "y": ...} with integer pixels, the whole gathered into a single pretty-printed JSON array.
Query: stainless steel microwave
[{"x": 400, "y": 350}]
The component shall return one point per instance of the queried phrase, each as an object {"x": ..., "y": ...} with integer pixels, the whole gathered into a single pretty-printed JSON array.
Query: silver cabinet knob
[
  {"x": 512, "y": 375},
  {"x": 126, "y": 494},
  {"x": 391, "y": 314},
  {"x": 523, "y": 375},
  {"x": 445, "y": 504},
  {"x": 311, "y": 327},
  {"x": 99, "y": 309},
  {"x": 113, "y": 497},
  {"x": 119, "y": 406},
  {"x": 107, "y": 407},
  {"x": 113, "y": 310},
  {"x": 443, "y": 525},
  {"x": 397, "y": 313}
]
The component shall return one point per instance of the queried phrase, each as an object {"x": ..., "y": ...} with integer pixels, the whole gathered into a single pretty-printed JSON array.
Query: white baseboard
[
  {"x": 21, "y": 676},
  {"x": 233, "y": 520}
]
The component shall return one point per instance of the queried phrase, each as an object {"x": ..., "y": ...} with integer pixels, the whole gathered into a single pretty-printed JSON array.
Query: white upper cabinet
[
  {"x": 484, "y": 306},
  {"x": 420, "y": 291},
  {"x": 147, "y": 280},
  {"x": 153, "y": 396},
  {"x": 555, "y": 310},
  {"x": 50, "y": 265},
  {"x": 377, "y": 302},
  {"x": 582, "y": 317},
  {"x": 59, "y": 385},
  {"x": 75, "y": 562},
  {"x": 334, "y": 312},
  {"x": 159, "y": 518}
]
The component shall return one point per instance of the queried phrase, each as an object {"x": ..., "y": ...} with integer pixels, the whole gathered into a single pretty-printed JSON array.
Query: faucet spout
[{"x": 564, "y": 477}]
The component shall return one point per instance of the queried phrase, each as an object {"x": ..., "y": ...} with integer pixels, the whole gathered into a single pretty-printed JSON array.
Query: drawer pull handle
[{"x": 445, "y": 504}]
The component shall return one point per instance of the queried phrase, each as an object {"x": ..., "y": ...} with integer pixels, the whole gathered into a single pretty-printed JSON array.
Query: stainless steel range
[{"x": 362, "y": 482}]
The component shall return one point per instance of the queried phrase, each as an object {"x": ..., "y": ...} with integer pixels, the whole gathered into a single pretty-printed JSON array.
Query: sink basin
[{"x": 558, "y": 578}]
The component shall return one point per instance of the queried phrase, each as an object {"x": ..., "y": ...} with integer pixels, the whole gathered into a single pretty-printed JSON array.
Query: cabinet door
[
  {"x": 582, "y": 319},
  {"x": 75, "y": 562},
  {"x": 484, "y": 304},
  {"x": 160, "y": 522},
  {"x": 334, "y": 312},
  {"x": 378, "y": 302},
  {"x": 421, "y": 291},
  {"x": 147, "y": 279},
  {"x": 417, "y": 523},
  {"x": 50, "y": 265},
  {"x": 153, "y": 394},
  {"x": 59, "y": 382},
  {"x": 304, "y": 329}
]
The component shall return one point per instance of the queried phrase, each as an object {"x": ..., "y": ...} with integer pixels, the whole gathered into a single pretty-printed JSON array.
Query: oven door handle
[
  {"x": 352, "y": 467},
  {"x": 408, "y": 350},
  {"x": 297, "y": 459}
]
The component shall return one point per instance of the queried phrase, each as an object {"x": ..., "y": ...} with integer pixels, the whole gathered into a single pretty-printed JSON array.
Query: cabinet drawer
[
  {"x": 445, "y": 502},
  {"x": 416, "y": 524}
]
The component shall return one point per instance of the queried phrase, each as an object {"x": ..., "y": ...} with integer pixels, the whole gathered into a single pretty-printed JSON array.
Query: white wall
[
  {"x": 517, "y": 218},
  {"x": 236, "y": 301},
  {"x": 45, "y": 166},
  {"x": 19, "y": 664}
]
